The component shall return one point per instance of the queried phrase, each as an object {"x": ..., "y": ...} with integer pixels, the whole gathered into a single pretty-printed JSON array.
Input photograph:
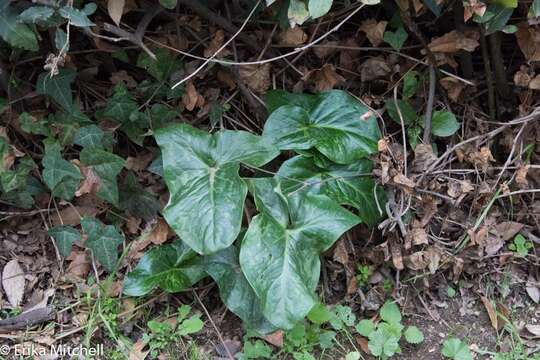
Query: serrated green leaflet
[
  {"x": 235, "y": 290},
  {"x": 58, "y": 87},
  {"x": 107, "y": 166},
  {"x": 206, "y": 193},
  {"x": 103, "y": 240},
  {"x": 336, "y": 124},
  {"x": 16, "y": 34},
  {"x": 346, "y": 184},
  {"x": 61, "y": 176},
  {"x": 172, "y": 267},
  {"x": 64, "y": 236},
  {"x": 280, "y": 254}
]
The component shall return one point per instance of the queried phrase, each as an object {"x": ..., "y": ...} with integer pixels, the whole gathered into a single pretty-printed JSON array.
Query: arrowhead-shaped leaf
[
  {"x": 172, "y": 267},
  {"x": 107, "y": 166},
  {"x": 206, "y": 193},
  {"x": 280, "y": 254},
  {"x": 58, "y": 87},
  {"x": 103, "y": 241},
  {"x": 346, "y": 184},
  {"x": 61, "y": 176},
  {"x": 64, "y": 237},
  {"x": 235, "y": 290},
  {"x": 335, "y": 124}
]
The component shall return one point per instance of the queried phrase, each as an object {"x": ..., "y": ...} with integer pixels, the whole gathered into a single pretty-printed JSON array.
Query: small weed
[
  {"x": 363, "y": 273},
  {"x": 520, "y": 246},
  {"x": 456, "y": 349}
]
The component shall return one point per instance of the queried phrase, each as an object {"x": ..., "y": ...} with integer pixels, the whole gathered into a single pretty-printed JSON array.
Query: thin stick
[
  {"x": 404, "y": 134},
  {"x": 429, "y": 107}
]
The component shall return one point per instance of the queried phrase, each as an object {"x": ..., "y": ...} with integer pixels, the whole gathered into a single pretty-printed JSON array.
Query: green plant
[
  {"x": 300, "y": 204},
  {"x": 163, "y": 334},
  {"x": 456, "y": 349},
  {"x": 520, "y": 245},
  {"x": 363, "y": 273},
  {"x": 384, "y": 337}
]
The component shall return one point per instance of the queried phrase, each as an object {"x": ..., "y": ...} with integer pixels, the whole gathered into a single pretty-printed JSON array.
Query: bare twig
[{"x": 429, "y": 107}]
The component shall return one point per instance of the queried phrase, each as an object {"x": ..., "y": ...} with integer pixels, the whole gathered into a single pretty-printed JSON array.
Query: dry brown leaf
[
  {"x": 275, "y": 338},
  {"x": 132, "y": 225},
  {"x": 341, "y": 255},
  {"x": 90, "y": 184},
  {"x": 374, "y": 68},
  {"x": 453, "y": 87},
  {"x": 72, "y": 215},
  {"x": 521, "y": 176},
  {"x": 116, "y": 9},
  {"x": 256, "y": 77},
  {"x": 13, "y": 282},
  {"x": 160, "y": 233},
  {"x": 382, "y": 145},
  {"x": 363, "y": 343},
  {"x": 191, "y": 97},
  {"x": 532, "y": 289},
  {"x": 139, "y": 162},
  {"x": 423, "y": 157},
  {"x": 401, "y": 179},
  {"x": 533, "y": 329},
  {"x": 326, "y": 48},
  {"x": 292, "y": 36},
  {"x": 481, "y": 158},
  {"x": 434, "y": 255},
  {"x": 137, "y": 352},
  {"x": 472, "y": 7},
  {"x": 217, "y": 41},
  {"x": 79, "y": 265},
  {"x": 416, "y": 261},
  {"x": 325, "y": 78},
  {"x": 454, "y": 41},
  {"x": 534, "y": 84},
  {"x": 507, "y": 229},
  {"x": 123, "y": 77},
  {"x": 397, "y": 258},
  {"x": 227, "y": 79},
  {"x": 491, "y": 311},
  {"x": 418, "y": 236},
  {"x": 528, "y": 39},
  {"x": 374, "y": 30},
  {"x": 522, "y": 77}
]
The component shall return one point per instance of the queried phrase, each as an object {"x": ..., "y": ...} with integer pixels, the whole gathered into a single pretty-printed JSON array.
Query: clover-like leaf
[
  {"x": 335, "y": 123},
  {"x": 235, "y": 290},
  {"x": 206, "y": 193},
  {"x": 64, "y": 236},
  {"x": 280, "y": 251},
  {"x": 171, "y": 267},
  {"x": 103, "y": 240},
  {"x": 107, "y": 166},
  {"x": 346, "y": 184}
]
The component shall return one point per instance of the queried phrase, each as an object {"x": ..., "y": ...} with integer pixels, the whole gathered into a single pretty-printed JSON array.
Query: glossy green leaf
[
  {"x": 407, "y": 111},
  {"x": 506, "y": 3},
  {"x": 107, "y": 166},
  {"x": 121, "y": 105},
  {"x": 318, "y": 8},
  {"x": 444, "y": 123},
  {"x": 171, "y": 267},
  {"x": 397, "y": 38},
  {"x": 61, "y": 176},
  {"x": 64, "y": 236},
  {"x": 495, "y": 18},
  {"x": 75, "y": 16},
  {"x": 58, "y": 87},
  {"x": 103, "y": 240},
  {"x": 337, "y": 125},
  {"x": 13, "y": 32},
  {"x": 278, "y": 98},
  {"x": 280, "y": 254},
  {"x": 36, "y": 14},
  {"x": 206, "y": 193},
  {"x": 346, "y": 184},
  {"x": 235, "y": 290},
  {"x": 89, "y": 136}
]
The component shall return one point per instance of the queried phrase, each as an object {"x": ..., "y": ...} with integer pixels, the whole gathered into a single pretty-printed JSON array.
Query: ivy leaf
[
  {"x": 103, "y": 241},
  {"x": 280, "y": 254},
  {"x": 64, "y": 236},
  {"x": 162, "y": 67},
  {"x": 413, "y": 335},
  {"x": 390, "y": 313},
  {"x": 168, "y": 4},
  {"x": 89, "y": 136},
  {"x": 456, "y": 349},
  {"x": 61, "y": 176},
  {"x": 75, "y": 16},
  {"x": 318, "y": 8},
  {"x": 346, "y": 184},
  {"x": 397, "y": 38},
  {"x": 171, "y": 267},
  {"x": 58, "y": 87},
  {"x": 444, "y": 123},
  {"x": 201, "y": 172},
  {"x": 136, "y": 200},
  {"x": 107, "y": 166},
  {"x": 16, "y": 34},
  {"x": 337, "y": 125},
  {"x": 121, "y": 105},
  {"x": 36, "y": 14},
  {"x": 235, "y": 290}
]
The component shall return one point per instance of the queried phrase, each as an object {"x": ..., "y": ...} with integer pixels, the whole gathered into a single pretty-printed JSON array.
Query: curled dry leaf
[
  {"x": 453, "y": 87},
  {"x": 454, "y": 41},
  {"x": 401, "y": 179},
  {"x": 534, "y": 84},
  {"x": 292, "y": 36},
  {"x": 374, "y": 31},
  {"x": 191, "y": 97},
  {"x": 325, "y": 78},
  {"x": 423, "y": 157},
  {"x": 522, "y": 77},
  {"x": 256, "y": 77},
  {"x": 374, "y": 68},
  {"x": 521, "y": 176},
  {"x": 116, "y": 9},
  {"x": 137, "y": 352},
  {"x": 13, "y": 282},
  {"x": 528, "y": 39},
  {"x": 160, "y": 233},
  {"x": 492, "y": 313},
  {"x": 91, "y": 182}
]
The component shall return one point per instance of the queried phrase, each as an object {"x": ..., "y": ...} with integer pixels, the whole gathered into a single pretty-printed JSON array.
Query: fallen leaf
[
  {"x": 137, "y": 352},
  {"x": 401, "y": 179},
  {"x": 90, "y": 184},
  {"x": 227, "y": 79},
  {"x": 292, "y": 36},
  {"x": 13, "y": 282},
  {"x": 256, "y": 77},
  {"x": 228, "y": 348},
  {"x": 522, "y": 77},
  {"x": 528, "y": 39},
  {"x": 325, "y": 78},
  {"x": 216, "y": 42},
  {"x": 454, "y": 41},
  {"x": 533, "y": 329},
  {"x": 191, "y": 97},
  {"x": 453, "y": 87},
  {"x": 326, "y": 48},
  {"x": 532, "y": 290},
  {"x": 473, "y": 7},
  {"x": 374, "y": 68},
  {"x": 363, "y": 343},
  {"x": 534, "y": 84},
  {"x": 507, "y": 229},
  {"x": 341, "y": 255},
  {"x": 159, "y": 233},
  {"x": 139, "y": 162},
  {"x": 275, "y": 338},
  {"x": 521, "y": 176},
  {"x": 374, "y": 30},
  {"x": 115, "y": 9},
  {"x": 79, "y": 265},
  {"x": 491, "y": 311}
]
